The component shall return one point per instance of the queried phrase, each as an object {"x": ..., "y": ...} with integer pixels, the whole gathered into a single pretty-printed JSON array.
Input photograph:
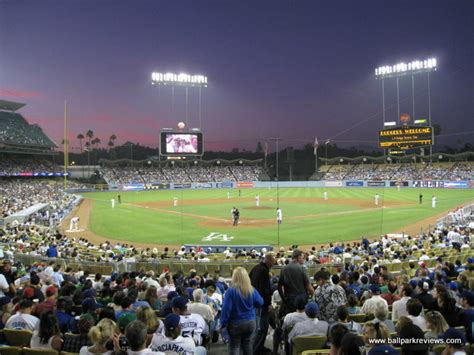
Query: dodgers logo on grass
[{"x": 217, "y": 236}]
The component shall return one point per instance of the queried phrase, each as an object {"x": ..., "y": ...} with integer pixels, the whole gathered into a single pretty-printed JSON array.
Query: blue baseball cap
[
  {"x": 171, "y": 295},
  {"x": 374, "y": 288},
  {"x": 179, "y": 302},
  {"x": 172, "y": 321},
  {"x": 311, "y": 309}
]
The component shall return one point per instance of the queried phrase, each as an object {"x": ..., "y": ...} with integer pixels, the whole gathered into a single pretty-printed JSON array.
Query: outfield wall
[{"x": 305, "y": 184}]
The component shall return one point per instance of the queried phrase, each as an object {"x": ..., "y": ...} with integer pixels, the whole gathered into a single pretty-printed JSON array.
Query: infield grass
[{"x": 348, "y": 214}]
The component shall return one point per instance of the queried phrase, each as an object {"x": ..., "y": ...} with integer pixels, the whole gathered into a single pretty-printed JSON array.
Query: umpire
[{"x": 260, "y": 278}]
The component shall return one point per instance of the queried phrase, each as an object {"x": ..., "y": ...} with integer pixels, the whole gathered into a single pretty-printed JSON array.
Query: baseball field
[{"x": 204, "y": 216}]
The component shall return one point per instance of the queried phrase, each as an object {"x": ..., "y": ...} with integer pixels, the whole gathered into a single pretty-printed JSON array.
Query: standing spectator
[
  {"x": 260, "y": 278},
  {"x": 48, "y": 335},
  {"x": 293, "y": 281},
  {"x": 52, "y": 251},
  {"x": 328, "y": 296},
  {"x": 238, "y": 312}
]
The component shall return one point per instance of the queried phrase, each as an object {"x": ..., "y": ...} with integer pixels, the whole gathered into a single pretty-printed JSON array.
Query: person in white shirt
[
  {"x": 199, "y": 307},
  {"x": 279, "y": 215},
  {"x": 74, "y": 224},
  {"x": 325, "y": 194},
  {"x": 299, "y": 316},
  {"x": 415, "y": 313},
  {"x": 4, "y": 286},
  {"x": 371, "y": 305},
  {"x": 175, "y": 202},
  {"x": 99, "y": 335},
  {"x": 112, "y": 201},
  {"x": 376, "y": 199},
  {"x": 228, "y": 195},
  {"x": 173, "y": 341},
  {"x": 424, "y": 257},
  {"x": 257, "y": 200},
  {"x": 312, "y": 326},
  {"x": 136, "y": 334},
  {"x": 399, "y": 308},
  {"x": 23, "y": 320},
  {"x": 433, "y": 202},
  {"x": 192, "y": 325}
]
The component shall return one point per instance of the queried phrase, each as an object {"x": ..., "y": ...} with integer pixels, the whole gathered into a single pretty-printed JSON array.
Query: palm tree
[
  {"x": 90, "y": 135},
  {"x": 80, "y": 136}
]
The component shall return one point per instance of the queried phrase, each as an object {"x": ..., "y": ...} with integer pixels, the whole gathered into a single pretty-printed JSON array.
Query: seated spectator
[
  {"x": 151, "y": 296},
  {"x": 415, "y": 309},
  {"x": 49, "y": 304},
  {"x": 191, "y": 324},
  {"x": 147, "y": 316},
  {"x": 73, "y": 343},
  {"x": 126, "y": 305},
  {"x": 381, "y": 317},
  {"x": 64, "y": 319},
  {"x": 446, "y": 305},
  {"x": 401, "y": 323},
  {"x": 336, "y": 333},
  {"x": 390, "y": 296},
  {"x": 23, "y": 318},
  {"x": 467, "y": 315},
  {"x": 435, "y": 323},
  {"x": 455, "y": 342},
  {"x": 312, "y": 326},
  {"x": 100, "y": 335},
  {"x": 413, "y": 340},
  {"x": 172, "y": 340},
  {"x": 299, "y": 316},
  {"x": 136, "y": 334},
  {"x": 198, "y": 307},
  {"x": 352, "y": 344},
  {"x": 343, "y": 318},
  {"x": 353, "y": 302},
  {"x": 371, "y": 305},
  {"x": 423, "y": 296},
  {"x": 399, "y": 308},
  {"x": 374, "y": 332},
  {"x": 47, "y": 336}
]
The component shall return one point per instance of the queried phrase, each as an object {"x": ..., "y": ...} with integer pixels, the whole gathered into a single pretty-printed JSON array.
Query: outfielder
[
  {"x": 376, "y": 198},
  {"x": 257, "y": 200},
  {"x": 433, "y": 202},
  {"x": 175, "y": 202},
  {"x": 112, "y": 201},
  {"x": 279, "y": 215},
  {"x": 325, "y": 194}
]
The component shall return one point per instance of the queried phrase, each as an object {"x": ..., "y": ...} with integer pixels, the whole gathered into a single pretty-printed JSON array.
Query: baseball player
[
  {"x": 433, "y": 202},
  {"x": 257, "y": 200},
  {"x": 398, "y": 187},
  {"x": 175, "y": 202},
  {"x": 325, "y": 194},
  {"x": 376, "y": 198},
  {"x": 228, "y": 195},
  {"x": 279, "y": 215},
  {"x": 74, "y": 225},
  {"x": 112, "y": 201}
]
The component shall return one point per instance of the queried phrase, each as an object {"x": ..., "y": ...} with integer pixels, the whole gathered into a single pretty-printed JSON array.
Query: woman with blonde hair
[
  {"x": 238, "y": 312},
  {"x": 436, "y": 323},
  {"x": 100, "y": 335},
  {"x": 148, "y": 317}
]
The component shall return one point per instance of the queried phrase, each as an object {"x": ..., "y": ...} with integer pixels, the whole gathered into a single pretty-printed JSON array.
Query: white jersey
[
  {"x": 325, "y": 194},
  {"x": 75, "y": 219},
  {"x": 433, "y": 202},
  {"x": 112, "y": 201},
  {"x": 257, "y": 201},
  {"x": 279, "y": 215},
  {"x": 175, "y": 201},
  {"x": 181, "y": 345},
  {"x": 193, "y": 325},
  {"x": 228, "y": 195},
  {"x": 22, "y": 321},
  {"x": 376, "y": 198}
]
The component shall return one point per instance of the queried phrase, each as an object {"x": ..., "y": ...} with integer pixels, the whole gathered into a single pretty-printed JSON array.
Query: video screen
[{"x": 173, "y": 143}]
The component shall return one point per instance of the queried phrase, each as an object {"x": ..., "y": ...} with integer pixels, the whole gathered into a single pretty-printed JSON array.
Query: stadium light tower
[
  {"x": 182, "y": 79},
  {"x": 404, "y": 69}
]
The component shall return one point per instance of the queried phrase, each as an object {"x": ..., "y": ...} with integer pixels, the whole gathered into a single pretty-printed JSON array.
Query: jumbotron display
[
  {"x": 181, "y": 143},
  {"x": 404, "y": 138}
]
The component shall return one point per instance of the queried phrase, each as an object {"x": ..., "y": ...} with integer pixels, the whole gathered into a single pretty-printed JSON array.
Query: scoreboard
[{"x": 407, "y": 137}]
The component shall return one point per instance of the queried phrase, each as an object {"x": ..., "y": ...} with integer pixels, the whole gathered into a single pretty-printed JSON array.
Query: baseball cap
[
  {"x": 172, "y": 321},
  {"x": 179, "y": 302},
  {"x": 89, "y": 293},
  {"x": 171, "y": 295},
  {"x": 90, "y": 304},
  {"x": 50, "y": 291},
  {"x": 311, "y": 309},
  {"x": 28, "y": 292},
  {"x": 4, "y": 300},
  {"x": 374, "y": 288},
  {"x": 470, "y": 260},
  {"x": 453, "y": 333},
  {"x": 125, "y": 319},
  {"x": 453, "y": 285},
  {"x": 383, "y": 350},
  {"x": 301, "y": 301},
  {"x": 193, "y": 283}
]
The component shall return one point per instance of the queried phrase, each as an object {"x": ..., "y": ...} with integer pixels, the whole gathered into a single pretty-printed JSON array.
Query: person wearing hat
[
  {"x": 125, "y": 319},
  {"x": 423, "y": 296},
  {"x": 312, "y": 326},
  {"x": 399, "y": 308},
  {"x": 167, "y": 307},
  {"x": 172, "y": 340},
  {"x": 23, "y": 320},
  {"x": 293, "y": 281},
  {"x": 455, "y": 342},
  {"x": 192, "y": 324},
  {"x": 49, "y": 304},
  {"x": 74, "y": 342},
  {"x": 467, "y": 315},
  {"x": 371, "y": 305}
]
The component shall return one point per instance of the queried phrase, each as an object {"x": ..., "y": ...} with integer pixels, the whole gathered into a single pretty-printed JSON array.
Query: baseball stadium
[{"x": 321, "y": 240}]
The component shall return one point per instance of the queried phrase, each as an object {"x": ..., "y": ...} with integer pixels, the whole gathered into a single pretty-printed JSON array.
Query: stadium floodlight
[
  {"x": 420, "y": 121},
  {"x": 181, "y": 79},
  {"x": 390, "y": 124},
  {"x": 401, "y": 69}
]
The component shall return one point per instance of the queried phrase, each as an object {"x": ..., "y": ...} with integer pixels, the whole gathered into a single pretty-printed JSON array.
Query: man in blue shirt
[{"x": 52, "y": 252}]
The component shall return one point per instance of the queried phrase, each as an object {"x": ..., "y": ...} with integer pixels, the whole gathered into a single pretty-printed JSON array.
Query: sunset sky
[{"x": 293, "y": 69}]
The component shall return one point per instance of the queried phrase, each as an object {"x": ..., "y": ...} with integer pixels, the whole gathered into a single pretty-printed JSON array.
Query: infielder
[
  {"x": 74, "y": 225},
  {"x": 433, "y": 202},
  {"x": 175, "y": 202},
  {"x": 398, "y": 187},
  {"x": 112, "y": 201},
  {"x": 228, "y": 195},
  {"x": 279, "y": 215},
  {"x": 325, "y": 194},
  {"x": 376, "y": 198},
  {"x": 257, "y": 200}
]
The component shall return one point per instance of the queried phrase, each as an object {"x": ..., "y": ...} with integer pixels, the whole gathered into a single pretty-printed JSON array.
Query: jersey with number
[
  {"x": 181, "y": 345},
  {"x": 193, "y": 325}
]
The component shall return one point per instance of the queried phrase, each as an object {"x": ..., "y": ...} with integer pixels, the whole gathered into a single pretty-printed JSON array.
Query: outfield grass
[{"x": 304, "y": 222}]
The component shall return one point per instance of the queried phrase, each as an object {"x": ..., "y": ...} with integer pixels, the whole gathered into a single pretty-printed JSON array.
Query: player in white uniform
[
  {"x": 228, "y": 195},
  {"x": 74, "y": 225},
  {"x": 376, "y": 198},
  {"x": 279, "y": 215},
  {"x": 112, "y": 201},
  {"x": 325, "y": 194},
  {"x": 433, "y": 202},
  {"x": 257, "y": 200},
  {"x": 175, "y": 202},
  {"x": 398, "y": 187}
]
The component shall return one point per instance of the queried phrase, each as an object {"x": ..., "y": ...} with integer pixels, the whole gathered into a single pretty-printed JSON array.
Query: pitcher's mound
[{"x": 258, "y": 208}]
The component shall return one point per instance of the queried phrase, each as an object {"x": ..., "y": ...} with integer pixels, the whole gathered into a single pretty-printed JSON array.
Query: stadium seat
[
  {"x": 358, "y": 318},
  {"x": 10, "y": 350},
  {"x": 316, "y": 352},
  {"x": 29, "y": 351},
  {"x": 66, "y": 353},
  {"x": 302, "y": 343},
  {"x": 18, "y": 337}
]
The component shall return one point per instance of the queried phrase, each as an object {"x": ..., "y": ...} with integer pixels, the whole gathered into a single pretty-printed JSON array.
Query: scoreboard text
[{"x": 405, "y": 137}]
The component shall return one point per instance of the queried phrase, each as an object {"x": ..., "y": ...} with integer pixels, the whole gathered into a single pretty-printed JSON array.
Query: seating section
[{"x": 14, "y": 129}]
